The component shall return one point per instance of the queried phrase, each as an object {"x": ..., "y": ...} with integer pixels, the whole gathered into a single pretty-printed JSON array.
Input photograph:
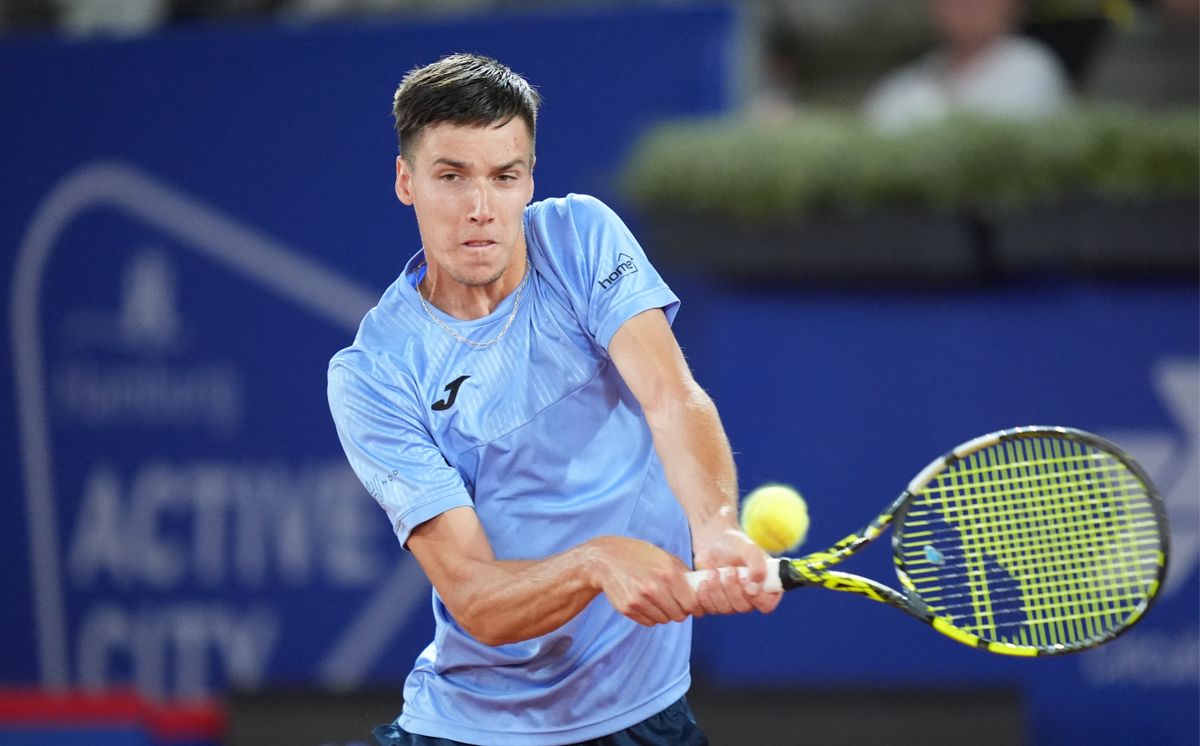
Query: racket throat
[
  {"x": 791, "y": 576},
  {"x": 794, "y": 575}
]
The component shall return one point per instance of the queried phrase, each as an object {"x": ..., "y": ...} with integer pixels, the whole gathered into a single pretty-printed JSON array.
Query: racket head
[{"x": 1032, "y": 541}]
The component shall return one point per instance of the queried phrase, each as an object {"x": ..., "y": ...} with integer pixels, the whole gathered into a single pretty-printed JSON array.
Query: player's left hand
[{"x": 717, "y": 543}]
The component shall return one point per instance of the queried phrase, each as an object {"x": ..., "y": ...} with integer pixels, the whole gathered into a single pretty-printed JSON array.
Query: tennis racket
[{"x": 1031, "y": 541}]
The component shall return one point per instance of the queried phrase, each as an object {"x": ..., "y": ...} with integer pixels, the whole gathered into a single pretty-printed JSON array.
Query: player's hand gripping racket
[{"x": 1031, "y": 541}]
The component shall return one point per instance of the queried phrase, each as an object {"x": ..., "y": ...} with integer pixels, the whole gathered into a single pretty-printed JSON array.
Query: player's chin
[
  {"x": 494, "y": 271},
  {"x": 478, "y": 276}
]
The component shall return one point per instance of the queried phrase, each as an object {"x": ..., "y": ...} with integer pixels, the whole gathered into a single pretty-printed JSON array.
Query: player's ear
[
  {"x": 403, "y": 181},
  {"x": 529, "y": 195}
]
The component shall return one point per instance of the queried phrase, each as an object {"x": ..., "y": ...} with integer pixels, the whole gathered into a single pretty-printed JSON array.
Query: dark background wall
[{"x": 194, "y": 220}]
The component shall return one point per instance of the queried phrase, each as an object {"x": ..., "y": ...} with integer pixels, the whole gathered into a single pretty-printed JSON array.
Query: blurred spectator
[
  {"x": 777, "y": 97},
  {"x": 208, "y": 10},
  {"x": 332, "y": 8},
  {"x": 86, "y": 17},
  {"x": 115, "y": 17},
  {"x": 981, "y": 66},
  {"x": 1155, "y": 61}
]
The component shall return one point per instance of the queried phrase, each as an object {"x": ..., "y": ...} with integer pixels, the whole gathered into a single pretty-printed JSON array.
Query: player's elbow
[
  {"x": 482, "y": 623},
  {"x": 482, "y": 633},
  {"x": 491, "y": 634}
]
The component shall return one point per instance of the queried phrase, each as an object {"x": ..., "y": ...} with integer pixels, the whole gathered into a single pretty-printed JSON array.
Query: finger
[
  {"x": 756, "y": 563},
  {"x": 712, "y": 597},
  {"x": 766, "y": 602},
  {"x": 644, "y": 621},
  {"x": 678, "y": 599},
  {"x": 667, "y": 600},
  {"x": 735, "y": 592},
  {"x": 685, "y": 595},
  {"x": 647, "y": 614},
  {"x": 637, "y": 603},
  {"x": 735, "y": 549},
  {"x": 672, "y": 611}
]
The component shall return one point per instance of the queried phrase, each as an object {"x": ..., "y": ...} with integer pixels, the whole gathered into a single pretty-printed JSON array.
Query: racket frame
[{"x": 811, "y": 569}]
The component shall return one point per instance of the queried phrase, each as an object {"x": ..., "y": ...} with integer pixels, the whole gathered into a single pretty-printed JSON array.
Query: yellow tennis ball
[{"x": 775, "y": 517}]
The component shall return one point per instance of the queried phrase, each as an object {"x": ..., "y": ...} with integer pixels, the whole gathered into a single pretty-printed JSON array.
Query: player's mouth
[{"x": 479, "y": 244}]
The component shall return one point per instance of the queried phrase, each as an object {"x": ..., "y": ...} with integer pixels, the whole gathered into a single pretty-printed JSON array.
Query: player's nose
[{"x": 481, "y": 211}]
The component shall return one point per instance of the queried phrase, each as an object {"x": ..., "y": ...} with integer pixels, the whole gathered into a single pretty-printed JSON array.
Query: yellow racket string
[{"x": 1039, "y": 541}]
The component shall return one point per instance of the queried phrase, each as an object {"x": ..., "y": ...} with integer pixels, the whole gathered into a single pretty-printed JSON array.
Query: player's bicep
[{"x": 651, "y": 363}]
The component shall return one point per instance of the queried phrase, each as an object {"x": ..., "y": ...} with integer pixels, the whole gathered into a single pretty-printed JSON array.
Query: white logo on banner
[
  {"x": 188, "y": 542},
  {"x": 1172, "y": 459},
  {"x": 150, "y": 308},
  {"x": 146, "y": 389}
]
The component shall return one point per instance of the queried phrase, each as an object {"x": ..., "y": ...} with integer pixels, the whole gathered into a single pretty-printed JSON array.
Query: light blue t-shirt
[{"x": 542, "y": 436}]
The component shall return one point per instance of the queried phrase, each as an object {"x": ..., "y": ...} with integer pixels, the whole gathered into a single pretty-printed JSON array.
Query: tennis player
[{"x": 518, "y": 405}]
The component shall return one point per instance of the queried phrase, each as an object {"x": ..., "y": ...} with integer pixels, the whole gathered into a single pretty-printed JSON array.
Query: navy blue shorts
[{"x": 674, "y": 726}]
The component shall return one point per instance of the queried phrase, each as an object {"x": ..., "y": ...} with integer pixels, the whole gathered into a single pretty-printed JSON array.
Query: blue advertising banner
[
  {"x": 197, "y": 220},
  {"x": 848, "y": 395}
]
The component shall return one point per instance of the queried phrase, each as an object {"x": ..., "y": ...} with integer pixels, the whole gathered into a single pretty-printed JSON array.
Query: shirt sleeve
[
  {"x": 597, "y": 264},
  {"x": 391, "y": 451}
]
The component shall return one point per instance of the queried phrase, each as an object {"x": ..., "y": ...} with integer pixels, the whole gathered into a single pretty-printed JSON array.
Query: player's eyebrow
[
  {"x": 463, "y": 165},
  {"x": 443, "y": 161}
]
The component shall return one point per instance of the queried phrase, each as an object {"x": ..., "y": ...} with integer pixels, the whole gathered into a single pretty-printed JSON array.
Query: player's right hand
[{"x": 641, "y": 581}]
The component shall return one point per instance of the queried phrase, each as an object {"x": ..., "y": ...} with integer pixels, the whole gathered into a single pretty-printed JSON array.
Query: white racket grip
[{"x": 772, "y": 583}]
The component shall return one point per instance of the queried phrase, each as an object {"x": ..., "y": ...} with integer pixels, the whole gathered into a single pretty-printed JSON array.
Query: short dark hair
[{"x": 463, "y": 89}]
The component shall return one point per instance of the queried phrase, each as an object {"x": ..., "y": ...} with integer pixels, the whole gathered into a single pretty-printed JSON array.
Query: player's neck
[{"x": 470, "y": 302}]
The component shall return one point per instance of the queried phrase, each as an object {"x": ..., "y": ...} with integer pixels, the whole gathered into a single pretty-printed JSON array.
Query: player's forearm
[
  {"x": 504, "y": 601},
  {"x": 687, "y": 431},
  {"x": 698, "y": 461},
  {"x": 696, "y": 456}
]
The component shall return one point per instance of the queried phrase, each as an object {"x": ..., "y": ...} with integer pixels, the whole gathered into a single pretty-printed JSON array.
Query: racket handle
[{"x": 772, "y": 583}]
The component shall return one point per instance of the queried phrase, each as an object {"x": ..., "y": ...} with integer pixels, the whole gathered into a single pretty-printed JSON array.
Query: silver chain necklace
[{"x": 454, "y": 332}]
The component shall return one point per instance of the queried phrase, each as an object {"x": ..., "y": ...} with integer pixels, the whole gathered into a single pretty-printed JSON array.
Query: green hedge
[{"x": 829, "y": 162}]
